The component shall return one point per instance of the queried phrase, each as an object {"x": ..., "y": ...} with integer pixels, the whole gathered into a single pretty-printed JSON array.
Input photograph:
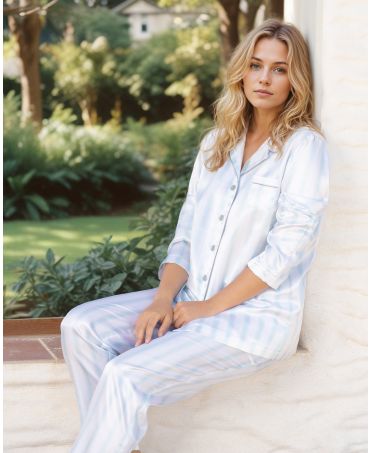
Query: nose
[{"x": 265, "y": 77}]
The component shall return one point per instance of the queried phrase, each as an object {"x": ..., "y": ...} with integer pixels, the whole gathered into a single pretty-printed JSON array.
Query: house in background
[{"x": 146, "y": 18}]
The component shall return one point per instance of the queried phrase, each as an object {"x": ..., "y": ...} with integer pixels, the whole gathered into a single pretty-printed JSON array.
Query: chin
[{"x": 263, "y": 105}]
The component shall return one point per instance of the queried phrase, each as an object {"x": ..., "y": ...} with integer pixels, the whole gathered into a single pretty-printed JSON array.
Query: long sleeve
[
  {"x": 179, "y": 249},
  {"x": 303, "y": 198}
]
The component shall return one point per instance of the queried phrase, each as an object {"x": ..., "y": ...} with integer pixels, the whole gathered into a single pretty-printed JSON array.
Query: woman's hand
[
  {"x": 159, "y": 311},
  {"x": 185, "y": 312}
]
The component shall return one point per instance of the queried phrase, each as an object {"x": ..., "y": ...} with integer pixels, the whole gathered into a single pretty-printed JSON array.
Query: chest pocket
[{"x": 264, "y": 191}]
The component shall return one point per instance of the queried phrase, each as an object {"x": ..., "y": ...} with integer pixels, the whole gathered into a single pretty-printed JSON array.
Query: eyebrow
[{"x": 276, "y": 62}]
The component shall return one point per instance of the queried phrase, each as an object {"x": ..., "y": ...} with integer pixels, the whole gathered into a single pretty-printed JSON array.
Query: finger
[
  {"x": 165, "y": 326},
  {"x": 139, "y": 337},
  {"x": 176, "y": 313},
  {"x": 178, "y": 322},
  {"x": 139, "y": 333},
  {"x": 149, "y": 329}
]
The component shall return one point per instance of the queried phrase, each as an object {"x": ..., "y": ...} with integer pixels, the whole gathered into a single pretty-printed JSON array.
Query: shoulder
[
  {"x": 307, "y": 154},
  {"x": 305, "y": 135},
  {"x": 306, "y": 143},
  {"x": 206, "y": 145},
  {"x": 208, "y": 139}
]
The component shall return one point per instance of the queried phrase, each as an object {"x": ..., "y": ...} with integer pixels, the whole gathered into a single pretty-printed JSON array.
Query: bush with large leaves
[
  {"x": 49, "y": 287},
  {"x": 66, "y": 169}
]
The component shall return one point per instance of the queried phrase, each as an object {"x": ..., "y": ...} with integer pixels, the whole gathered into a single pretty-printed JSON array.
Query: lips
[{"x": 263, "y": 91}]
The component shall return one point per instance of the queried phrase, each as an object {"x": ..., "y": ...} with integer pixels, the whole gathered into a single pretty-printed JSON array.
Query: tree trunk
[
  {"x": 88, "y": 108},
  {"x": 228, "y": 12},
  {"x": 250, "y": 15},
  {"x": 274, "y": 8},
  {"x": 27, "y": 32}
]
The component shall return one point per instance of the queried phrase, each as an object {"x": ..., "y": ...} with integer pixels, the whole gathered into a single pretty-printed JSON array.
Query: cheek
[
  {"x": 285, "y": 88},
  {"x": 248, "y": 79}
]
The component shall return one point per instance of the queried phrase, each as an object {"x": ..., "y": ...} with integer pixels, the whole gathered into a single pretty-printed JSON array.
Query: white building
[{"x": 146, "y": 18}]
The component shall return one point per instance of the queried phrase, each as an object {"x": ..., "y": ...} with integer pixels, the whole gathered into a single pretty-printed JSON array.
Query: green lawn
[{"x": 71, "y": 237}]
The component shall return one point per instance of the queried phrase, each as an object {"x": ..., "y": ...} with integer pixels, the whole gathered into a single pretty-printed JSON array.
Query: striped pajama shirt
[{"x": 266, "y": 216}]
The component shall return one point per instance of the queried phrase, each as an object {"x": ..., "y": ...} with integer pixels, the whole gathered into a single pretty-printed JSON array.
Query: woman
[{"x": 231, "y": 293}]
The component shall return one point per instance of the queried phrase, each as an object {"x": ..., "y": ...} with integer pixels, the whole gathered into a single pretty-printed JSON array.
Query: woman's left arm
[{"x": 304, "y": 196}]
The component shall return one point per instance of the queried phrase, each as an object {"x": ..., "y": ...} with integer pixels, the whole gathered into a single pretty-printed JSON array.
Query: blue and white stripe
[
  {"x": 267, "y": 217},
  {"x": 115, "y": 382}
]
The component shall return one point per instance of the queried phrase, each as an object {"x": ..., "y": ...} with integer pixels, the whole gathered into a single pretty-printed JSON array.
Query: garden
[
  {"x": 100, "y": 134},
  {"x": 92, "y": 193}
]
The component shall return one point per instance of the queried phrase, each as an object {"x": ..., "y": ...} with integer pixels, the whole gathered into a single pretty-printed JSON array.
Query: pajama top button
[
  {"x": 205, "y": 277},
  {"x": 233, "y": 187},
  {"x": 221, "y": 217},
  {"x": 213, "y": 247}
]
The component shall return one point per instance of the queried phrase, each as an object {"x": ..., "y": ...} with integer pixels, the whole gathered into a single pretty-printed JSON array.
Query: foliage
[
  {"x": 195, "y": 63},
  {"x": 89, "y": 24},
  {"x": 166, "y": 145},
  {"x": 50, "y": 288},
  {"x": 181, "y": 63},
  {"x": 145, "y": 70},
  {"x": 173, "y": 70},
  {"x": 66, "y": 169},
  {"x": 82, "y": 71},
  {"x": 23, "y": 162}
]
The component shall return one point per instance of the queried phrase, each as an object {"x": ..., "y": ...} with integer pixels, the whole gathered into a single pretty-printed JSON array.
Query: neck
[{"x": 260, "y": 124}]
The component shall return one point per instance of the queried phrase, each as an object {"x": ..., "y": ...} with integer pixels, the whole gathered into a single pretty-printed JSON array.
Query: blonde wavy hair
[{"x": 233, "y": 112}]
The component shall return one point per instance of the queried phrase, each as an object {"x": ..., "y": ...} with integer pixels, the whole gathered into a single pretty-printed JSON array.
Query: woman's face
[{"x": 267, "y": 70}]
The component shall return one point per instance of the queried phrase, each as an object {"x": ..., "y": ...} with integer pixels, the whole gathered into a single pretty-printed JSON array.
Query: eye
[
  {"x": 281, "y": 69},
  {"x": 253, "y": 65}
]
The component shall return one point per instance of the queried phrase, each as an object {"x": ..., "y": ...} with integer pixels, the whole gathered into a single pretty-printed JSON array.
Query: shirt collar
[{"x": 236, "y": 155}]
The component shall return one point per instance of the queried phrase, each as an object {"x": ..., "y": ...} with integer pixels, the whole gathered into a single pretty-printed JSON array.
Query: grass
[{"x": 72, "y": 238}]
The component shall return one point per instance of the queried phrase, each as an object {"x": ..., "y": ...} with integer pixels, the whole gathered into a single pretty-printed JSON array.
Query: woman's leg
[
  {"x": 95, "y": 332},
  {"x": 170, "y": 368}
]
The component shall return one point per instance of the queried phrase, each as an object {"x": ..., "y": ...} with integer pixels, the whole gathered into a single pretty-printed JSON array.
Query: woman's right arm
[
  {"x": 174, "y": 270},
  {"x": 178, "y": 252},
  {"x": 173, "y": 279}
]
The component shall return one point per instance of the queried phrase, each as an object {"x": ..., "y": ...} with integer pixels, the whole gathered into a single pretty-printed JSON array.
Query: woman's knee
[{"x": 75, "y": 318}]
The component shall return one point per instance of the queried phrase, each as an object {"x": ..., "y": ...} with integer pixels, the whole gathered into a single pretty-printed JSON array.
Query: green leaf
[
  {"x": 60, "y": 202},
  {"x": 50, "y": 256},
  {"x": 9, "y": 208},
  {"x": 27, "y": 177},
  {"x": 32, "y": 211},
  {"x": 40, "y": 202},
  {"x": 108, "y": 265}
]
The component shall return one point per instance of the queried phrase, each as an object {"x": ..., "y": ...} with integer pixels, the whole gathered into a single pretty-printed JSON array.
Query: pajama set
[{"x": 266, "y": 216}]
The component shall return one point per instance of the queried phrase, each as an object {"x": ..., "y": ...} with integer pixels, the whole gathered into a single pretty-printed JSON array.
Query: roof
[{"x": 124, "y": 5}]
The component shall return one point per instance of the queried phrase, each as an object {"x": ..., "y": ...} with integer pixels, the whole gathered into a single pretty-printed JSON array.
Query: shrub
[
  {"x": 67, "y": 169},
  {"x": 168, "y": 144},
  {"x": 51, "y": 288},
  {"x": 24, "y": 167}
]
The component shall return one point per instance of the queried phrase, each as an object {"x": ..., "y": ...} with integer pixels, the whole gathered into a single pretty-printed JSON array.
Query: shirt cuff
[
  {"x": 266, "y": 276},
  {"x": 179, "y": 253}
]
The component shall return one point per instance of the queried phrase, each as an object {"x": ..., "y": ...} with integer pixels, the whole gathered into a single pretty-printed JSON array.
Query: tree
[
  {"x": 25, "y": 24},
  {"x": 82, "y": 71},
  {"x": 25, "y": 20},
  {"x": 229, "y": 13}
]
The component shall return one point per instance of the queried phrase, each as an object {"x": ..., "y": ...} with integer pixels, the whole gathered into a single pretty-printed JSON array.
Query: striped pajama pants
[{"x": 115, "y": 382}]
